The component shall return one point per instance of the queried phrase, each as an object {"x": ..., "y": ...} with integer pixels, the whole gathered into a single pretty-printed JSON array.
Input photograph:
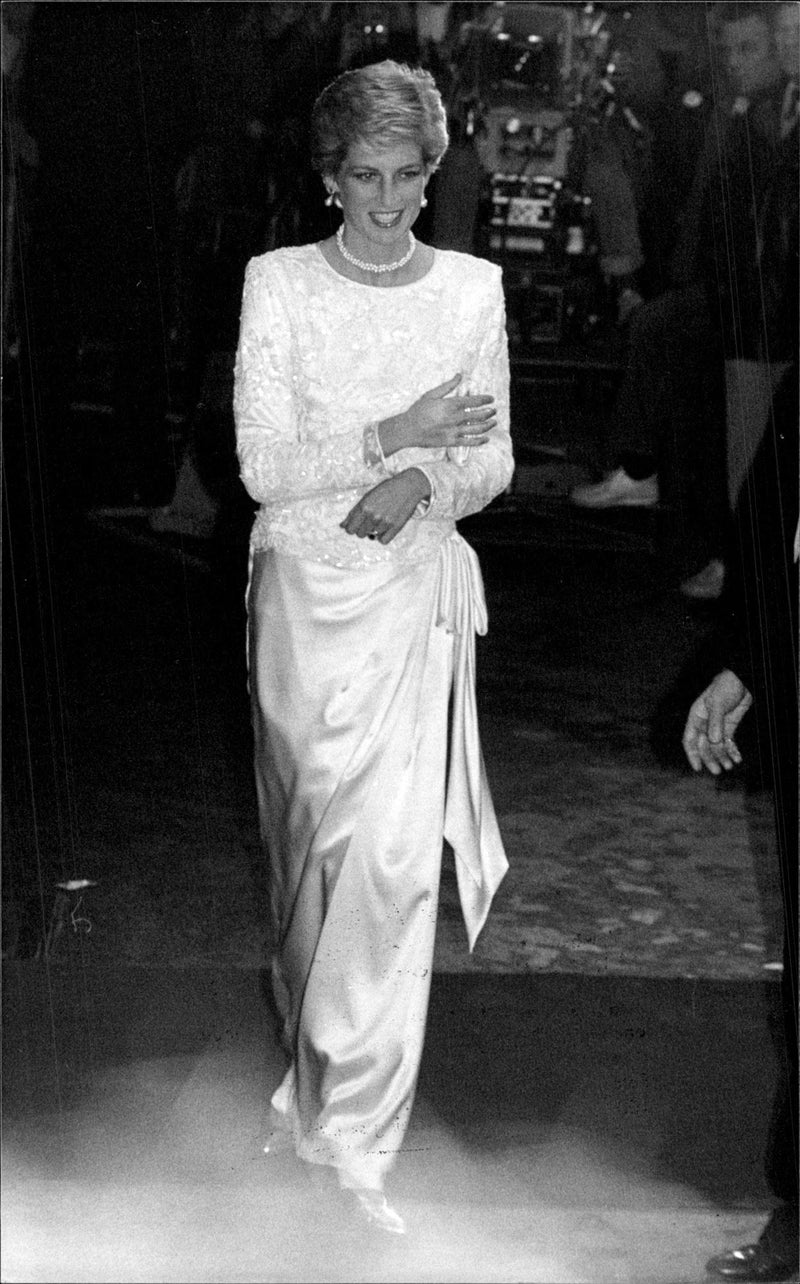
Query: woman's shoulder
[
  {"x": 288, "y": 261},
  {"x": 470, "y": 268},
  {"x": 469, "y": 272}
]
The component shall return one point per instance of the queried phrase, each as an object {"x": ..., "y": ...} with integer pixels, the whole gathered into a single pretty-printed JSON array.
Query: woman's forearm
[{"x": 392, "y": 433}]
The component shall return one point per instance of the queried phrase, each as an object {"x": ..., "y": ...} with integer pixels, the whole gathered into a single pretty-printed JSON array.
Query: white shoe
[
  {"x": 374, "y": 1205},
  {"x": 618, "y": 490},
  {"x": 707, "y": 584}
]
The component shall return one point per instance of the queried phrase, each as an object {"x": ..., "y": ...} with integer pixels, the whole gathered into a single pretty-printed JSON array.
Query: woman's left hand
[{"x": 383, "y": 511}]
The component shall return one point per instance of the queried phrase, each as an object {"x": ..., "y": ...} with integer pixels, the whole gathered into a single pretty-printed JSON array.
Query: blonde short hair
[{"x": 384, "y": 102}]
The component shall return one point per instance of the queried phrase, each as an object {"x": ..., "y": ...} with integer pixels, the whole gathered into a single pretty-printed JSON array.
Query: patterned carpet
[
  {"x": 634, "y": 872},
  {"x": 621, "y": 863},
  {"x": 615, "y": 868}
]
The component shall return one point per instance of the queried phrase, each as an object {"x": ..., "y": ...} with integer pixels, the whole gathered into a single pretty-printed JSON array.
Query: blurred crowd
[
  {"x": 708, "y": 350},
  {"x": 192, "y": 124}
]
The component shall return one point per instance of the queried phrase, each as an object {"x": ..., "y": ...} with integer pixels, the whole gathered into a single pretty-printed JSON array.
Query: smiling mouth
[{"x": 387, "y": 220}]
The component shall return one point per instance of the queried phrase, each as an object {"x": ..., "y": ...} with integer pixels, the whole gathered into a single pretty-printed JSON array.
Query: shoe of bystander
[
  {"x": 618, "y": 490},
  {"x": 707, "y": 584}
]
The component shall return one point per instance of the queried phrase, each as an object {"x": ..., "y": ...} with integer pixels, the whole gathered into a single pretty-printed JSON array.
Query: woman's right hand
[{"x": 438, "y": 420}]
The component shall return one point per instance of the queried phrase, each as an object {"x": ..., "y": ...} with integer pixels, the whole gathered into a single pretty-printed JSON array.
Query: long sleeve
[
  {"x": 278, "y": 462},
  {"x": 757, "y": 633},
  {"x": 459, "y": 489}
]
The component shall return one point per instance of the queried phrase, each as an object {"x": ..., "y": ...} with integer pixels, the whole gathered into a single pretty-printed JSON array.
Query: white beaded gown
[{"x": 363, "y": 762}]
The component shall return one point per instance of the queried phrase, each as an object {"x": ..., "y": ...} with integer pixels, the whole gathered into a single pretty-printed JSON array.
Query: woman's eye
[{"x": 407, "y": 176}]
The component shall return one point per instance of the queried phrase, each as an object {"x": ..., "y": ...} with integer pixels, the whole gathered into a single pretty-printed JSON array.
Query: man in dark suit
[
  {"x": 757, "y": 650},
  {"x": 757, "y": 647}
]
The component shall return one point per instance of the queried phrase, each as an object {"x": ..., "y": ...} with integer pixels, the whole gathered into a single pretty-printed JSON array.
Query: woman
[{"x": 356, "y": 438}]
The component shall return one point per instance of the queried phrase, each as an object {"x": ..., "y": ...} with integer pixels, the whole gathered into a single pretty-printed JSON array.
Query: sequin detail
[
  {"x": 373, "y": 450},
  {"x": 322, "y": 360}
]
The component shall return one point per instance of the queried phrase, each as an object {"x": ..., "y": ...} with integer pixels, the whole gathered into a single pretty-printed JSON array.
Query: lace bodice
[{"x": 320, "y": 358}]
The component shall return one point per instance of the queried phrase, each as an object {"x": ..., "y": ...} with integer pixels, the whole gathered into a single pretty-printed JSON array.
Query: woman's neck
[{"x": 417, "y": 267}]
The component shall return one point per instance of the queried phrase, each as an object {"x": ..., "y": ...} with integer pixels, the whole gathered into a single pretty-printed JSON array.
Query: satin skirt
[{"x": 351, "y": 672}]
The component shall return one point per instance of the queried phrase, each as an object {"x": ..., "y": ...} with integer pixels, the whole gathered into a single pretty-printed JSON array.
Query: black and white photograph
[{"x": 400, "y": 543}]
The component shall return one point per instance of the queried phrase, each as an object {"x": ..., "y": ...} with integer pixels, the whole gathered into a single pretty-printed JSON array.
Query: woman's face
[{"x": 381, "y": 189}]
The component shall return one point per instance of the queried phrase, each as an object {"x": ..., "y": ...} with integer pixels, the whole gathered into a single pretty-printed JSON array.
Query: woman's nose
[{"x": 387, "y": 193}]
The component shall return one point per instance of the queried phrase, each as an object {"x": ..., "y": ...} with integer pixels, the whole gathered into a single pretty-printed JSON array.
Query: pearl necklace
[{"x": 374, "y": 267}]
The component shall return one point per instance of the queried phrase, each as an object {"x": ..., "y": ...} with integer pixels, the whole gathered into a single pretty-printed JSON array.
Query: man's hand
[
  {"x": 383, "y": 511},
  {"x": 713, "y": 718}
]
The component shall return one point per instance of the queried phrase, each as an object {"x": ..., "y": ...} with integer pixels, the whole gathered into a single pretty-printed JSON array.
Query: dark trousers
[
  {"x": 762, "y": 596},
  {"x": 781, "y": 1166},
  {"x": 671, "y": 409},
  {"x": 779, "y": 754}
]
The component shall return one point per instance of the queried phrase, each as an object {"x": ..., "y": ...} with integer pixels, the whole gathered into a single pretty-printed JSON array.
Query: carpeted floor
[{"x": 622, "y": 862}]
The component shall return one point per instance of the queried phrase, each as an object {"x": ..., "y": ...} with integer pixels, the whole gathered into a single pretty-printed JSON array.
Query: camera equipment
[{"x": 529, "y": 67}]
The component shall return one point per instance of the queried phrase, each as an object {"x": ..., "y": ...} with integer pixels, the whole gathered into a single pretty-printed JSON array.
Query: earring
[
  {"x": 329, "y": 199},
  {"x": 423, "y": 202}
]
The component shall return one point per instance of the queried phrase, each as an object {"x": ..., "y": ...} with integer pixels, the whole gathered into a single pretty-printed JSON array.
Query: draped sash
[{"x": 470, "y": 824}]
